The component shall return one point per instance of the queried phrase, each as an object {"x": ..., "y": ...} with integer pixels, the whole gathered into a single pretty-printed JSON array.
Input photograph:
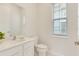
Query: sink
[{"x": 19, "y": 37}]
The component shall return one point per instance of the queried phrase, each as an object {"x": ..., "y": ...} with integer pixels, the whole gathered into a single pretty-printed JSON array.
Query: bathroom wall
[
  {"x": 29, "y": 19},
  {"x": 58, "y": 45}
]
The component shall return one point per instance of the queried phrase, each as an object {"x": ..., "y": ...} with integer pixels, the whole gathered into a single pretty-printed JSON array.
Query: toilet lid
[{"x": 41, "y": 46}]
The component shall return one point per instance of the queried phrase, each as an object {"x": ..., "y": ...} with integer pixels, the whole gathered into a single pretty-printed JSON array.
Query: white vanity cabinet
[
  {"x": 29, "y": 49},
  {"x": 14, "y": 51},
  {"x": 24, "y": 48}
]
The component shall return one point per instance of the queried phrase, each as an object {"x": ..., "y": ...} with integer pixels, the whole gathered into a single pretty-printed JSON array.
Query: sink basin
[{"x": 20, "y": 38}]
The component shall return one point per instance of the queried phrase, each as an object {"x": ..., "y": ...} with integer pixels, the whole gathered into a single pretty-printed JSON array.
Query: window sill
[{"x": 60, "y": 36}]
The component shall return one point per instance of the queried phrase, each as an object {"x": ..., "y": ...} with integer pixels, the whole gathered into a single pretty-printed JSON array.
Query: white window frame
[
  {"x": 61, "y": 34},
  {"x": 77, "y": 11}
]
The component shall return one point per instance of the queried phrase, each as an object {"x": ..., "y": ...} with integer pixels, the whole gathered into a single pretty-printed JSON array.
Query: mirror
[{"x": 10, "y": 18}]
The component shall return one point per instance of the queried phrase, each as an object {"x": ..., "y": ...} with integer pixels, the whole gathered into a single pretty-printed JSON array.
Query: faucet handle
[{"x": 14, "y": 37}]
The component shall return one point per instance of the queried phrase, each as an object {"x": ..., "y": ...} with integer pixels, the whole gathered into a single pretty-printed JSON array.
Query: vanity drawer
[{"x": 18, "y": 50}]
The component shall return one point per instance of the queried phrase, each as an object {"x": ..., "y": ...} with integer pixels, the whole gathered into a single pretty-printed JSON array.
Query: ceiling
[{"x": 24, "y": 5}]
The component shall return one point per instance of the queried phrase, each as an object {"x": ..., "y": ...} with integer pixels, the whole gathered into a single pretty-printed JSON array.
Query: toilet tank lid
[{"x": 42, "y": 46}]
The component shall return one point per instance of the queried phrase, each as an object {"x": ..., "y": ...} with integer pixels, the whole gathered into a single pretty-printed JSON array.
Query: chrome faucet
[{"x": 14, "y": 37}]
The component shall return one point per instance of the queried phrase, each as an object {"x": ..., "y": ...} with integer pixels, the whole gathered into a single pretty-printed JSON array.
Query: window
[{"x": 60, "y": 19}]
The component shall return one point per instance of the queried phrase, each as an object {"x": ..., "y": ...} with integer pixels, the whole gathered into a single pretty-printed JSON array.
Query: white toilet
[{"x": 41, "y": 49}]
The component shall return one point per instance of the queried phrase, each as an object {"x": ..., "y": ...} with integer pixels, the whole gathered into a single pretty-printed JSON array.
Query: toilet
[{"x": 40, "y": 49}]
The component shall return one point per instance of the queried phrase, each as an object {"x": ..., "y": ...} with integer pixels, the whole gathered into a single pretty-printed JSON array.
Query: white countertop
[{"x": 7, "y": 43}]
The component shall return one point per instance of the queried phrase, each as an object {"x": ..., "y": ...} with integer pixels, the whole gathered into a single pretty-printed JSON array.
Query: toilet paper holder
[{"x": 77, "y": 43}]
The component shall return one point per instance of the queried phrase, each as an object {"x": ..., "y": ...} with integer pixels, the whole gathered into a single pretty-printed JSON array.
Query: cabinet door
[
  {"x": 14, "y": 51},
  {"x": 29, "y": 49},
  {"x": 19, "y": 51}
]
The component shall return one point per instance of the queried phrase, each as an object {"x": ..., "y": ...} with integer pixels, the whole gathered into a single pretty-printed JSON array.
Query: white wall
[
  {"x": 29, "y": 14},
  {"x": 57, "y": 45}
]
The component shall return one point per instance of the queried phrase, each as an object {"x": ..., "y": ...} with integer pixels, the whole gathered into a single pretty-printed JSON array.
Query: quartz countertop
[{"x": 7, "y": 43}]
